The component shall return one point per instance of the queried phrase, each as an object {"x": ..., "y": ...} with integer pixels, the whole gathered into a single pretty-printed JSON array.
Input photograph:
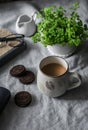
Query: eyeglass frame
[{"x": 19, "y": 37}]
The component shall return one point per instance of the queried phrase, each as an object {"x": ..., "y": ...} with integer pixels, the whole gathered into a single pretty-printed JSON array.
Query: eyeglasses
[{"x": 12, "y": 40}]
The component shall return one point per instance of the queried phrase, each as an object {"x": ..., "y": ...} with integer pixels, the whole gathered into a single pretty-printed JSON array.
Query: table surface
[{"x": 68, "y": 112}]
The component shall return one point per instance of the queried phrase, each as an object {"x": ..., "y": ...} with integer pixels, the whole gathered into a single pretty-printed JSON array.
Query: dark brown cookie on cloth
[
  {"x": 23, "y": 98},
  {"x": 17, "y": 70},
  {"x": 27, "y": 78}
]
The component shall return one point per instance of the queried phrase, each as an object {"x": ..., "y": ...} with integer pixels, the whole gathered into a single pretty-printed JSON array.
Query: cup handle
[
  {"x": 34, "y": 16},
  {"x": 75, "y": 80}
]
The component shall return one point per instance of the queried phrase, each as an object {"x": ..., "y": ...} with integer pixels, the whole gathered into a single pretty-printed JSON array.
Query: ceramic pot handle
[
  {"x": 75, "y": 80},
  {"x": 34, "y": 15}
]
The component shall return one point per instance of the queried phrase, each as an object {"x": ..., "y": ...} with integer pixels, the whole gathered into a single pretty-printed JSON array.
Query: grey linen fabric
[{"x": 68, "y": 112}]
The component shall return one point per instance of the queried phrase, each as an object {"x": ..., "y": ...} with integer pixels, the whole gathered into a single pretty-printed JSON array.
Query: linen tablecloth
[{"x": 68, "y": 112}]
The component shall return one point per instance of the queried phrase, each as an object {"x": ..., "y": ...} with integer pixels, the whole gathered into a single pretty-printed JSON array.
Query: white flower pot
[{"x": 62, "y": 51}]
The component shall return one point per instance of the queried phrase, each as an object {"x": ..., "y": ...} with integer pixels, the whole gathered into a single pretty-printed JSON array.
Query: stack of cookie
[{"x": 25, "y": 76}]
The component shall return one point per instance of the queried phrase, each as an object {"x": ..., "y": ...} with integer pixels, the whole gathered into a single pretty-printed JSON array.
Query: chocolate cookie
[
  {"x": 17, "y": 70},
  {"x": 23, "y": 98},
  {"x": 27, "y": 78}
]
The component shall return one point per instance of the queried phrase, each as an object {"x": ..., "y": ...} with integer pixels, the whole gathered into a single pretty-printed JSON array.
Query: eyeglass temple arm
[{"x": 2, "y": 39}]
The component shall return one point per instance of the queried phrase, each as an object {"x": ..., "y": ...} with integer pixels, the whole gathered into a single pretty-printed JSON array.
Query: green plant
[{"x": 60, "y": 26}]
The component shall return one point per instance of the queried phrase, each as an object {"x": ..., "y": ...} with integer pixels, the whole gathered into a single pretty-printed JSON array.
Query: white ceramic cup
[
  {"x": 26, "y": 24},
  {"x": 54, "y": 86}
]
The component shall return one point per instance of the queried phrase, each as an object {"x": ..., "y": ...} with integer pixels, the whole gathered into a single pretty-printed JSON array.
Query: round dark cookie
[
  {"x": 17, "y": 70},
  {"x": 27, "y": 78},
  {"x": 23, "y": 98}
]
